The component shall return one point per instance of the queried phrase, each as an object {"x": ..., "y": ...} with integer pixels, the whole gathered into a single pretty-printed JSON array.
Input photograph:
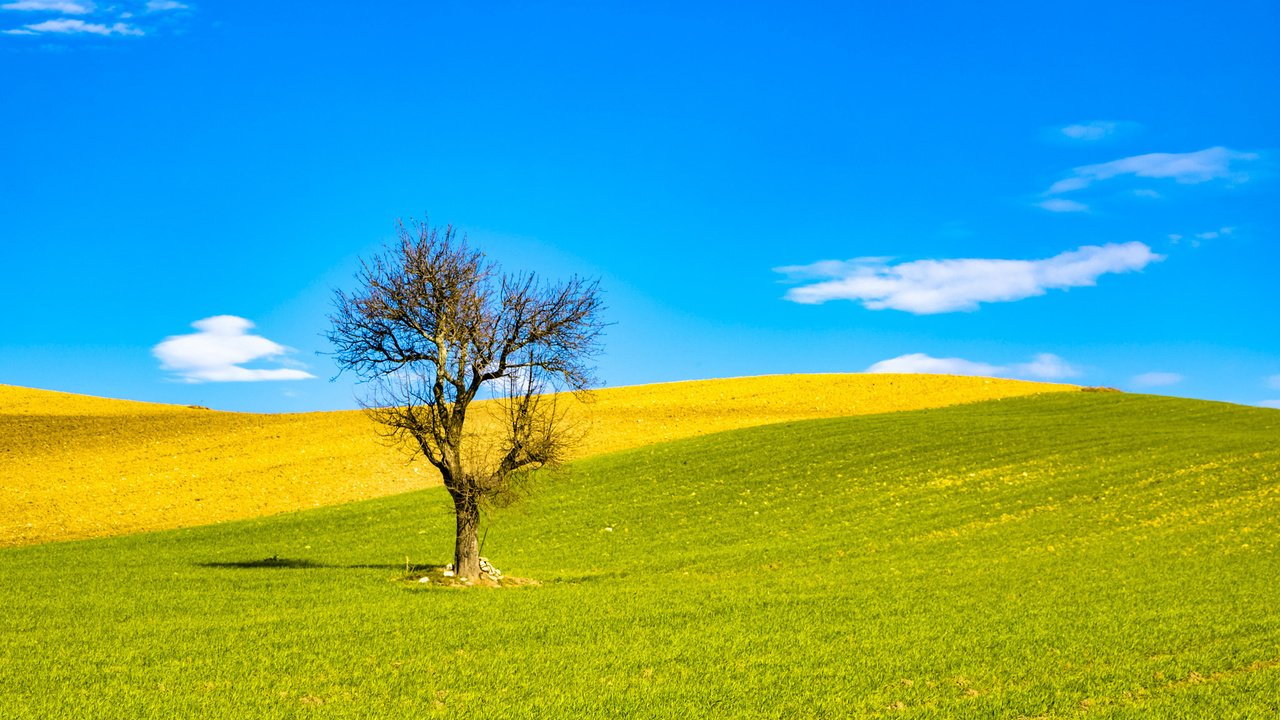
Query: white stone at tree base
[{"x": 487, "y": 569}]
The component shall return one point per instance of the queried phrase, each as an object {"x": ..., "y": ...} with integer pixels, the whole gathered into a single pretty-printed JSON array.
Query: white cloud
[
  {"x": 921, "y": 363},
  {"x": 1147, "y": 193},
  {"x": 926, "y": 287},
  {"x": 1095, "y": 130},
  {"x": 1273, "y": 382},
  {"x": 106, "y": 20},
  {"x": 1194, "y": 240},
  {"x": 824, "y": 269},
  {"x": 1270, "y": 404},
  {"x": 1215, "y": 234},
  {"x": 218, "y": 352},
  {"x": 1045, "y": 366},
  {"x": 1157, "y": 379},
  {"x": 72, "y": 26},
  {"x": 1062, "y": 205},
  {"x": 1191, "y": 168},
  {"x": 66, "y": 7}
]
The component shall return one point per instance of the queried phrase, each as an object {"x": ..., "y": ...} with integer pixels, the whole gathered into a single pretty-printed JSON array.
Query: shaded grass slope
[
  {"x": 73, "y": 466},
  {"x": 1058, "y": 556}
]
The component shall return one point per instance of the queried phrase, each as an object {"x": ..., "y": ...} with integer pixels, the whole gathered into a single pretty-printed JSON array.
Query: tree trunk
[{"x": 466, "y": 552}]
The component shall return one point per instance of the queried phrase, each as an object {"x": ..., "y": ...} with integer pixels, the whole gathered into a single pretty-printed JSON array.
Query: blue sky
[{"x": 1083, "y": 193}]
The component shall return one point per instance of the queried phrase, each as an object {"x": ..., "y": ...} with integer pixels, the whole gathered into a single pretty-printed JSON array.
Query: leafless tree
[{"x": 432, "y": 327}]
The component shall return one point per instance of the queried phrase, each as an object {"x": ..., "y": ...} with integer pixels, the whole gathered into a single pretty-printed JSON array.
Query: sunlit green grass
[{"x": 1068, "y": 555}]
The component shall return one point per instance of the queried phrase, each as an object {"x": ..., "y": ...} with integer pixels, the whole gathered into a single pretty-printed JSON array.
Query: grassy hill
[
  {"x": 73, "y": 466},
  {"x": 1074, "y": 555}
]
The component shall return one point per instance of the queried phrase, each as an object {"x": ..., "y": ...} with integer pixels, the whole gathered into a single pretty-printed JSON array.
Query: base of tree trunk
[
  {"x": 437, "y": 577},
  {"x": 466, "y": 553}
]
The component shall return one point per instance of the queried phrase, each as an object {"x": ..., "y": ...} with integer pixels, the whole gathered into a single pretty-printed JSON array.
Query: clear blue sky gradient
[{"x": 236, "y": 158}]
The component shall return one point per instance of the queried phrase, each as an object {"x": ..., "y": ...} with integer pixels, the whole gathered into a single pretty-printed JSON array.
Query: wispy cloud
[
  {"x": 1273, "y": 382},
  {"x": 1156, "y": 379},
  {"x": 1195, "y": 239},
  {"x": 1270, "y": 404},
  {"x": 128, "y": 18},
  {"x": 1215, "y": 163},
  {"x": 220, "y": 350},
  {"x": 925, "y": 287},
  {"x": 1095, "y": 130},
  {"x": 75, "y": 26},
  {"x": 1062, "y": 205},
  {"x": 1045, "y": 366},
  {"x": 66, "y": 7},
  {"x": 1215, "y": 234}
]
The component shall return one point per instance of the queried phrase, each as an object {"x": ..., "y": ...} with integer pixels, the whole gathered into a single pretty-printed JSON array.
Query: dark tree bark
[
  {"x": 466, "y": 546},
  {"x": 431, "y": 325}
]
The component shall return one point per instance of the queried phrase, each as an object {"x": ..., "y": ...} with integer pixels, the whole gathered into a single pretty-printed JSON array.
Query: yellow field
[{"x": 73, "y": 466}]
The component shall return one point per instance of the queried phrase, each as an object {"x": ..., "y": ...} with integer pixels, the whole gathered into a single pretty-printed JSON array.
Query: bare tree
[{"x": 432, "y": 324}]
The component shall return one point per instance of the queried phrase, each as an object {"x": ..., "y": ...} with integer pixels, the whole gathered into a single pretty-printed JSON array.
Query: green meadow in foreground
[{"x": 1060, "y": 556}]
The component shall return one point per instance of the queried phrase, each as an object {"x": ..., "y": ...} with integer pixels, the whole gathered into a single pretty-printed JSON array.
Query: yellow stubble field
[{"x": 74, "y": 466}]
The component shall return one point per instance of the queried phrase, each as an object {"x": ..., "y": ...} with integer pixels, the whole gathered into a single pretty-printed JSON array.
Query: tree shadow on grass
[
  {"x": 412, "y": 571},
  {"x": 271, "y": 562},
  {"x": 280, "y": 563}
]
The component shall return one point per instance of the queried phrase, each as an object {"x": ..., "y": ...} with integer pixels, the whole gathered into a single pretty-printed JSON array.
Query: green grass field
[{"x": 1058, "y": 556}]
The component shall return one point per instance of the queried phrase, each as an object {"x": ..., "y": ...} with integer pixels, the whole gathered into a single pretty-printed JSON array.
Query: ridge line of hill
[{"x": 76, "y": 466}]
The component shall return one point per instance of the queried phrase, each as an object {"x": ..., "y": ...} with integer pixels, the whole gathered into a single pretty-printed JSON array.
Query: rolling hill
[
  {"x": 77, "y": 467},
  {"x": 1067, "y": 555}
]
